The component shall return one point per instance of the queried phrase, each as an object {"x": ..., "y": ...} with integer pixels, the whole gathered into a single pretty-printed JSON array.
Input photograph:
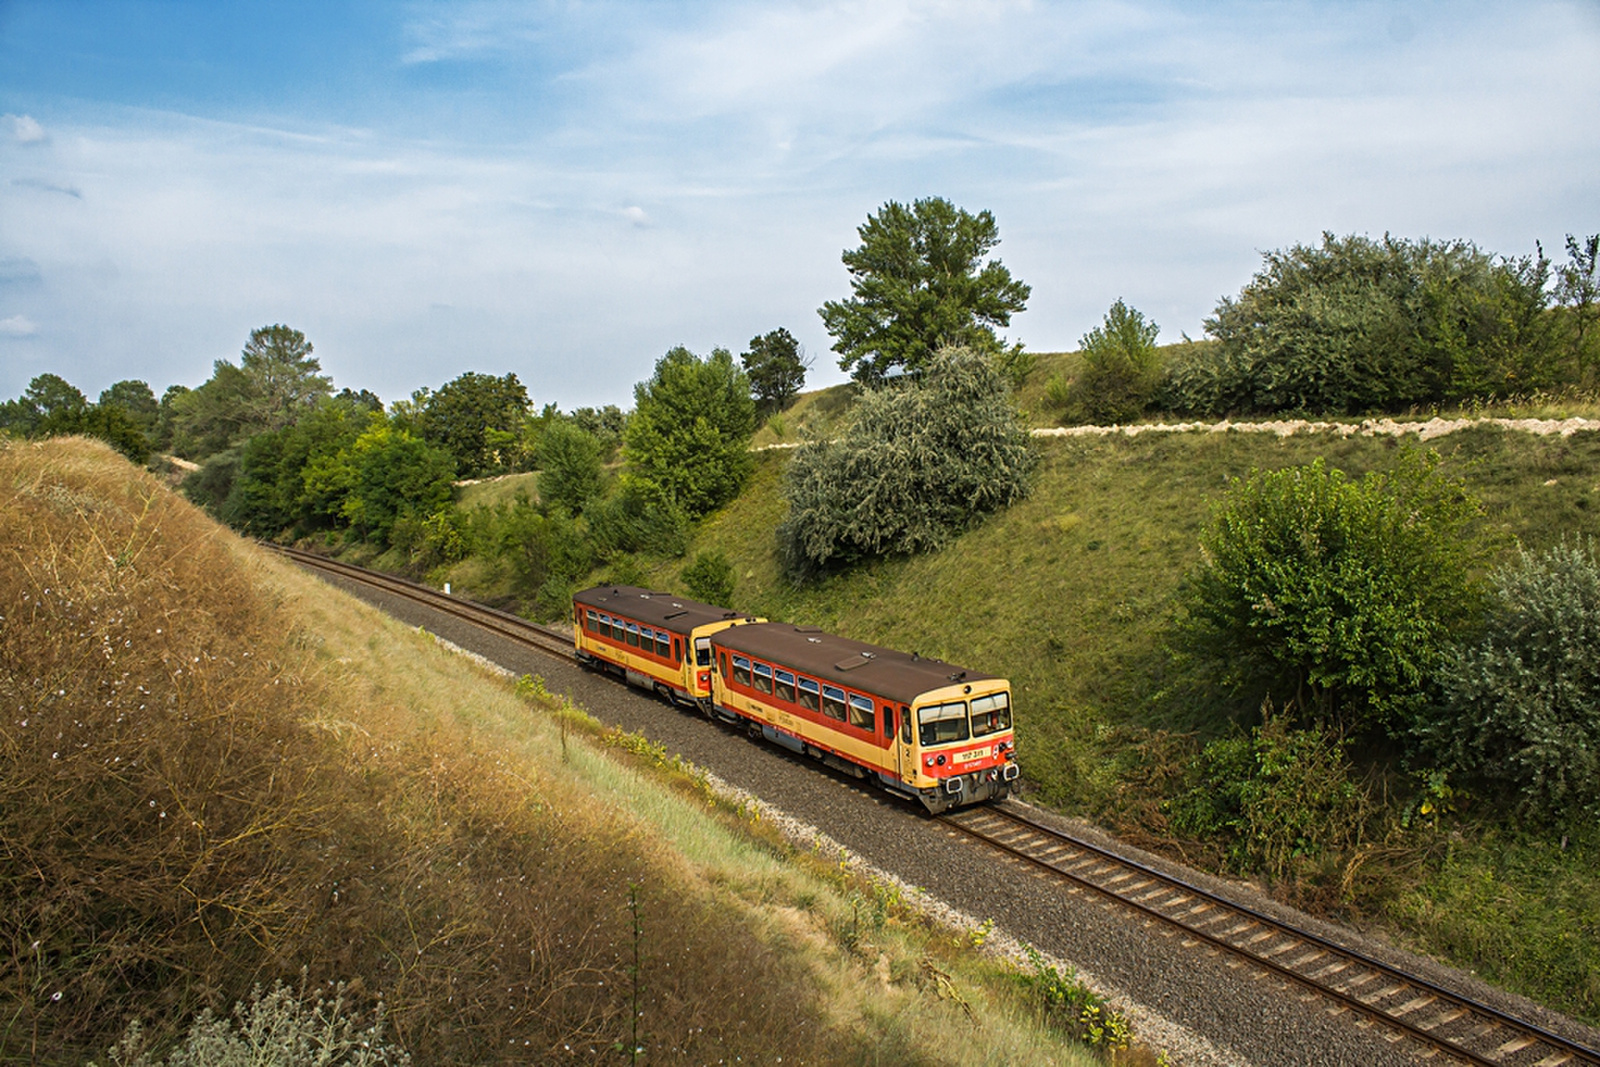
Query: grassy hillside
[
  {"x": 214, "y": 773},
  {"x": 1072, "y": 594}
]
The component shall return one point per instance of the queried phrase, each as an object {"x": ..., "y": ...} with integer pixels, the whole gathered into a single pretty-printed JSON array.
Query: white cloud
[
  {"x": 25, "y": 129},
  {"x": 17, "y": 326},
  {"x": 636, "y": 215}
]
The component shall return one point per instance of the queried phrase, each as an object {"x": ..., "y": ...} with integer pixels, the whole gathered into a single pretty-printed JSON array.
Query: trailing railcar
[
  {"x": 653, "y": 640},
  {"x": 937, "y": 733}
]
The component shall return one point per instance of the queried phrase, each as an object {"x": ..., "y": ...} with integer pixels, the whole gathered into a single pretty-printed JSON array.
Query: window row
[
  {"x": 811, "y": 695},
  {"x": 941, "y": 724},
  {"x": 658, "y": 642}
]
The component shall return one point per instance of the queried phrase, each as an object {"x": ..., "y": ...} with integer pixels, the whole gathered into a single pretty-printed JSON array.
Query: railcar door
[{"x": 906, "y": 749}]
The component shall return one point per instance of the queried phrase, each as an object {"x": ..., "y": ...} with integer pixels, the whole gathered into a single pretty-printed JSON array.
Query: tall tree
[
  {"x": 689, "y": 433},
  {"x": 777, "y": 368},
  {"x": 137, "y": 400},
  {"x": 284, "y": 376},
  {"x": 477, "y": 418},
  {"x": 1578, "y": 290},
  {"x": 920, "y": 282}
]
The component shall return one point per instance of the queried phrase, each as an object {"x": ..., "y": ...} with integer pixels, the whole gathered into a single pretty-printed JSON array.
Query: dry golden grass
[{"x": 215, "y": 772}]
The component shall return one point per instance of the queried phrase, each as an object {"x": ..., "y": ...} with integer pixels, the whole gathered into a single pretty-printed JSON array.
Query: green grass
[{"x": 501, "y": 490}]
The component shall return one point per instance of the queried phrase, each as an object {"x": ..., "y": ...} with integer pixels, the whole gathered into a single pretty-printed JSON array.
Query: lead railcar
[{"x": 924, "y": 728}]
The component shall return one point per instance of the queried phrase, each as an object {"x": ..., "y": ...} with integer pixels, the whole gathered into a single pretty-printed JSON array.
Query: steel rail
[
  {"x": 1140, "y": 896},
  {"x": 503, "y": 623}
]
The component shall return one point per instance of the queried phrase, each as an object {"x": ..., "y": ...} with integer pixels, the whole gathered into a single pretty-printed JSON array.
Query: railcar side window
[
  {"x": 943, "y": 723},
  {"x": 763, "y": 677},
  {"x": 809, "y": 695},
  {"x": 633, "y": 633},
  {"x": 991, "y": 714},
  {"x": 861, "y": 713},
  {"x": 724, "y": 664},
  {"x": 888, "y": 721},
  {"x": 663, "y": 644},
  {"x": 677, "y": 651},
  {"x": 783, "y": 686},
  {"x": 594, "y": 622},
  {"x": 833, "y": 702},
  {"x": 741, "y": 670}
]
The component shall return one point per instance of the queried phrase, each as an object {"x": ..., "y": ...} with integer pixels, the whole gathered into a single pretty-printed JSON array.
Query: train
[{"x": 935, "y": 733}]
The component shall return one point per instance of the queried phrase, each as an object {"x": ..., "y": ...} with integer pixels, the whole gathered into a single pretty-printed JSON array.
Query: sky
[{"x": 567, "y": 189}]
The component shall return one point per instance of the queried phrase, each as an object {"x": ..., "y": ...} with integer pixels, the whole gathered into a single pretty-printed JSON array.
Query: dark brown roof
[
  {"x": 676, "y": 613},
  {"x": 883, "y": 672}
]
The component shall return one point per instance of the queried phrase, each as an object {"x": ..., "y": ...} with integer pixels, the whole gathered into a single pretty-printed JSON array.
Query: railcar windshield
[
  {"x": 702, "y": 652},
  {"x": 991, "y": 714},
  {"x": 941, "y": 724}
]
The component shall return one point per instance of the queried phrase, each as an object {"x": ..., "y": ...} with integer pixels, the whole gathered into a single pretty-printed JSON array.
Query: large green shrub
[
  {"x": 1273, "y": 797},
  {"x": 1357, "y": 325},
  {"x": 571, "y": 472},
  {"x": 1339, "y": 596},
  {"x": 1520, "y": 706},
  {"x": 919, "y": 461}
]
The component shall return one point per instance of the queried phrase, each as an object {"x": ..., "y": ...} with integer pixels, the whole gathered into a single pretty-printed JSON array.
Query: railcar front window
[
  {"x": 943, "y": 723},
  {"x": 861, "y": 714},
  {"x": 833, "y": 702},
  {"x": 763, "y": 677},
  {"x": 809, "y": 693},
  {"x": 741, "y": 670},
  {"x": 702, "y": 652},
  {"x": 783, "y": 686},
  {"x": 991, "y": 714}
]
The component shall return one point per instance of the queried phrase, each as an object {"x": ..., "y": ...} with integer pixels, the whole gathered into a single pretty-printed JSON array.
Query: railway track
[
  {"x": 1409, "y": 1005},
  {"x": 1441, "y": 1020},
  {"x": 503, "y": 623}
]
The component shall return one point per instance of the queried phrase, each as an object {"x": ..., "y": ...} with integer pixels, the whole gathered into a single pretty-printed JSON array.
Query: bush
[
  {"x": 688, "y": 437},
  {"x": 1357, "y": 325},
  {"x": 570, "y": 470},
  {"x": 1341, "y": 596},
  {"x": 1520, "y": 706},
  {"x": 1273, "y": 798},
  {"x": 710, "y": 579},
  {"x": 1120, "y": 367},
  {"x": 918, "y": 462}
]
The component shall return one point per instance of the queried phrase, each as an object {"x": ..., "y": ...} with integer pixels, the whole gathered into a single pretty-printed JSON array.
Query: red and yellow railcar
[
  {"x": 921, "y": 727},
  {"x": 652, "y": 640}
]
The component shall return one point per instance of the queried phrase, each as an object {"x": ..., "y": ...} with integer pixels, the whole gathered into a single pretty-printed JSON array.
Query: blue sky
[{"x": 568, "y": 189}]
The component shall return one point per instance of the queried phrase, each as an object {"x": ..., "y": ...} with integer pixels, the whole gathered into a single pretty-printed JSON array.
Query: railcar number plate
[{"x": 977, "y": 753}]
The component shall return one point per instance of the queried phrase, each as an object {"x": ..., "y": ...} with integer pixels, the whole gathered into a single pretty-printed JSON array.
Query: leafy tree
[
  {"x": 51, "y": 406},
  {"x": 635, "y": 519},
  {"x": 272, "y": 492},
  {"x": 392, "y": 475},
  {"x": 605, "y": 424},
  {"x": 1120, "y": 366},
  {"x": 478, "y": 419},
  {"x": 1357, "y": 325},
  {"x": 1520, "y": 705},
  {"x": 283, "y": 376},
  {"x": 917, "y": 462},
  {"x": 570, "y": 471},
  {"x": 688, "y": 438},
  {"x": 136, "y": 398},
  {"x": 1578, "y": 290},
  {"x": 1340, "y": 596},
  {"x": 215, "y": 415},
  {"x": 777, "y": 368},
  {"x": 920, "y": 283},
  {"x": 709, "y": 578}
]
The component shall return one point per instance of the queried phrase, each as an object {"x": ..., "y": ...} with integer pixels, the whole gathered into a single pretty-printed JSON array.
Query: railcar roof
[
  {"x": 899, "y": 676},
  {"x": 653, "y": 607}
]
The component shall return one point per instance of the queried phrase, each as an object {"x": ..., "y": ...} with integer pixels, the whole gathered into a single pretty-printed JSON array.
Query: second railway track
[{"x": 1445, "y": 1022}]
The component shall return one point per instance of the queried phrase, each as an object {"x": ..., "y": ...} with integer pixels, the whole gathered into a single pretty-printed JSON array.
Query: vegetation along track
[
  {"x": 1455, "y": 1025},
  {"x": 1458, "y": 1026}
]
